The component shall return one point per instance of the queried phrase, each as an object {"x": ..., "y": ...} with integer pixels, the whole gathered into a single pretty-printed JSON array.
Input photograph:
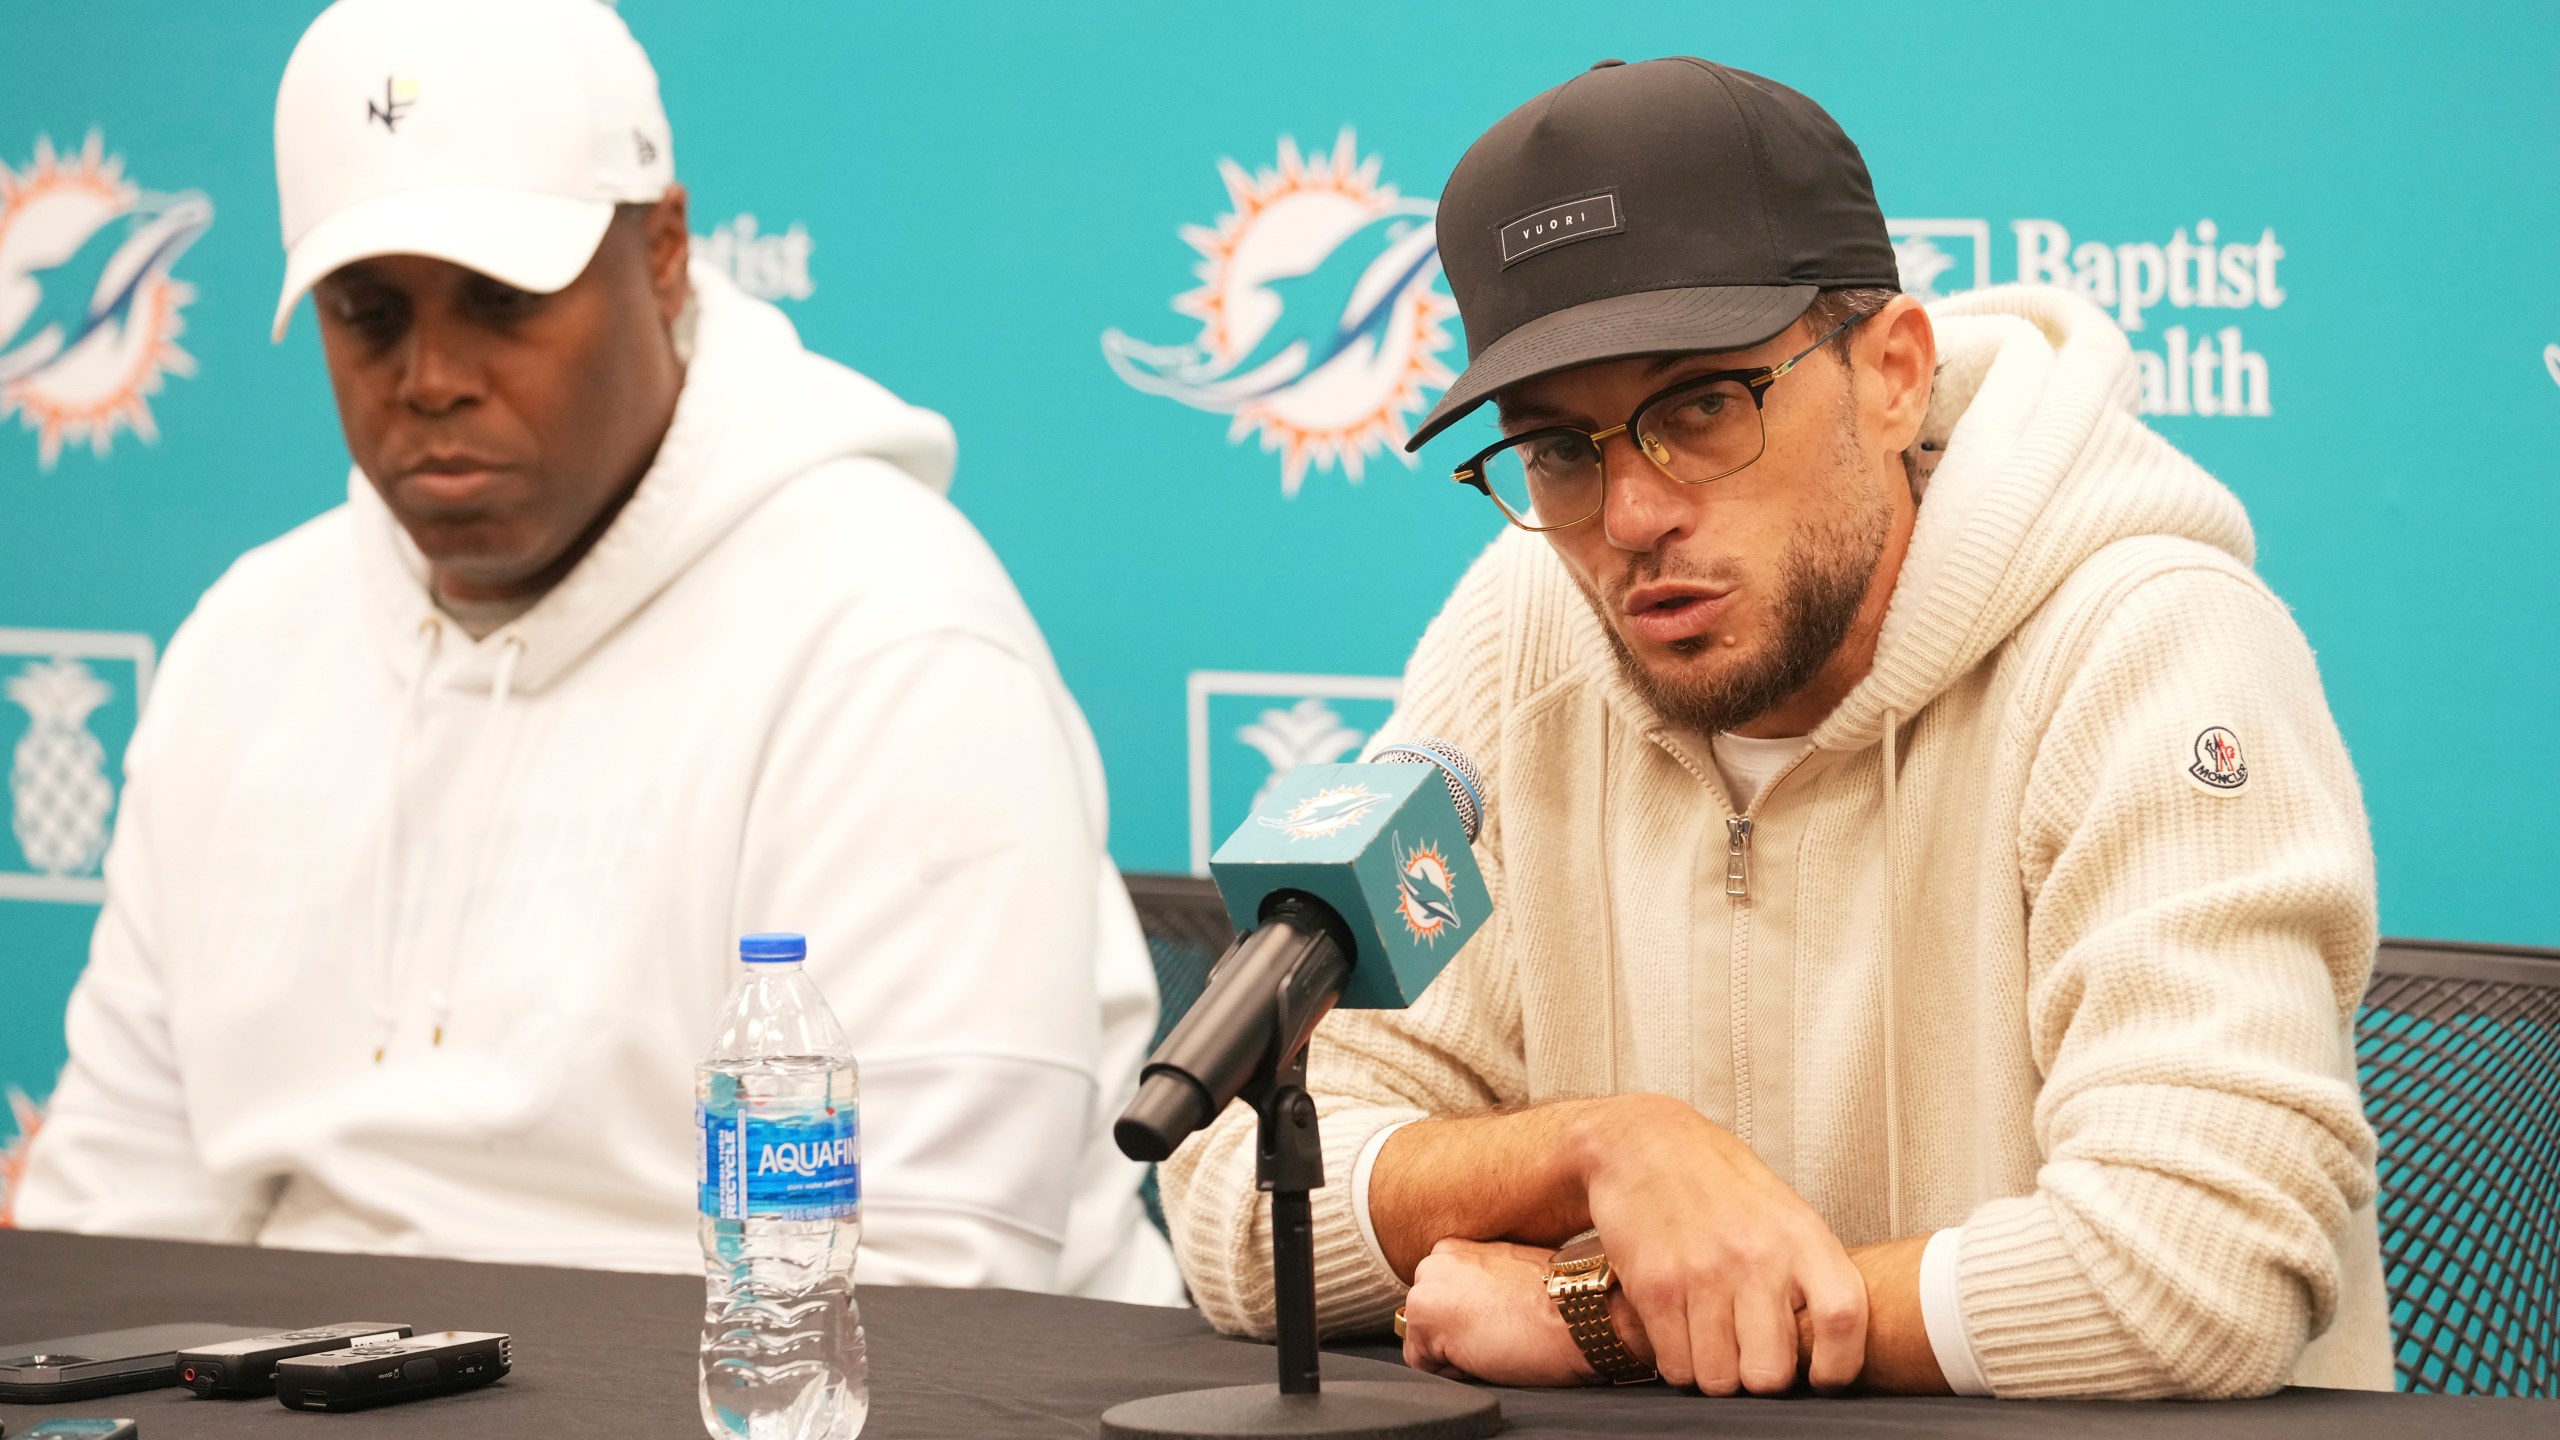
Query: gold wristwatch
[{"x": 1579, "y": 1281}]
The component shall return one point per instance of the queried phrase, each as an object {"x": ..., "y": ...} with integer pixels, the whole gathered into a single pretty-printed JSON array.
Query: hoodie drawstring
[
  {"x": 439, "y": 1002},
  {"x": 1892, "y": 918},
  {"x": 387, "y": 871},
  {"x": 501, "y": 689},
  {"x": 502, "y": 685}
]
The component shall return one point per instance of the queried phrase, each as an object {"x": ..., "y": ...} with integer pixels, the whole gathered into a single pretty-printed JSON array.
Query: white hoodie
[{"x": 411, "y": 942}]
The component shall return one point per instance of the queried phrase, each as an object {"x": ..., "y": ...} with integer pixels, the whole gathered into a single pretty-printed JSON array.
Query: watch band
[
  {"x": 1579, "y": 1281},
  {"x": 1586, "y": 1316}
]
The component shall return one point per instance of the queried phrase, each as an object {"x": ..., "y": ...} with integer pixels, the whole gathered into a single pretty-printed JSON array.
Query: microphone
[{"x": 1354, "y": 885}]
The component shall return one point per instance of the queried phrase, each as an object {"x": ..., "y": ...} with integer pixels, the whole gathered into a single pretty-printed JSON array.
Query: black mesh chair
[
  {"x": 1187, "y": 930},
  {"x": 2459, "y": 1050}
]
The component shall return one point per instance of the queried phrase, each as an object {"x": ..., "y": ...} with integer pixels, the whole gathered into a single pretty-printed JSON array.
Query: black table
[{"x": 606, "y": 1354}]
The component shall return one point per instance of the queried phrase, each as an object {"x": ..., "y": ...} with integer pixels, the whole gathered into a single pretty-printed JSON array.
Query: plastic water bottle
[{"x": 780, "y": 1174}]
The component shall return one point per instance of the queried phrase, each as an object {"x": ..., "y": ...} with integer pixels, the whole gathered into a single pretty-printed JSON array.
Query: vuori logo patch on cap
[{"x": 1560, "y": 224}]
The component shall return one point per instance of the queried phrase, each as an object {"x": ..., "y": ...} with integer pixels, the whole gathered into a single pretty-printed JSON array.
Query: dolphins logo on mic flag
[
  {"x": 1329, "y": 811},
  {"x": 1321, "y": 320},
  {"x": 89, "y": 312},
  {"x": 1426, "y": 895}
]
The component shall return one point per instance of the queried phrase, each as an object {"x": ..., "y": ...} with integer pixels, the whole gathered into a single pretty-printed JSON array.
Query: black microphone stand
[{"x": 1289, "y": 1163}]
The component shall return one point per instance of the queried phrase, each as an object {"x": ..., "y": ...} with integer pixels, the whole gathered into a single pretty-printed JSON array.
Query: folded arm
[
  {"x": 1730, "y": 1281},
  {"x": 2195, "y": 953}
]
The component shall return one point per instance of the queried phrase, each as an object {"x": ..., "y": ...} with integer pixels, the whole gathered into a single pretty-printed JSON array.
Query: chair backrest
[
  {"x": 2458, "y": 1047},
  {"x": 1187, "y": 930}
]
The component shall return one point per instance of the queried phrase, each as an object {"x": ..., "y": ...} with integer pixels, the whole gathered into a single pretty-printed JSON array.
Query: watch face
[
  {"x": 1591, "y": 1284},
  {"x": 1580, "y": 1255}
]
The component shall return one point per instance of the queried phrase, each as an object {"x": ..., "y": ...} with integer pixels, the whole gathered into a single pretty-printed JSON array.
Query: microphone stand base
[{"x": 1424, "y": 1408}]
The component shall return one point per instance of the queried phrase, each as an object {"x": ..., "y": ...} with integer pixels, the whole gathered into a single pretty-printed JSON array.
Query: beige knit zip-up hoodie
[{"x": 2081, "y": 865}]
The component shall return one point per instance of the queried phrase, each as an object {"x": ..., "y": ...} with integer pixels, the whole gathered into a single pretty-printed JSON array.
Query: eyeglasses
[{"x": 1703, "y": 428}]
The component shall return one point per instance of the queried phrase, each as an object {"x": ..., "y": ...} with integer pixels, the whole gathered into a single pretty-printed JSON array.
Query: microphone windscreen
[{"x": 1466, "y": 785}]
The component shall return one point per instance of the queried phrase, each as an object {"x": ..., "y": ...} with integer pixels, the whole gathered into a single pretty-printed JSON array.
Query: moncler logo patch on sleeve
[{"x": 2218, "y": 768}]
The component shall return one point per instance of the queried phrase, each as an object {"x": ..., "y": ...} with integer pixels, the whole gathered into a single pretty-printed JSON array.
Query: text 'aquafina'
[{"x": 780, "y": 1174}]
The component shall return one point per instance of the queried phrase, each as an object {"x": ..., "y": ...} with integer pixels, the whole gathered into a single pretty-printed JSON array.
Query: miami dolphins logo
[
  {"x": 89, "y": 312},
  {"x": 1321, "y": 320},
  {"x": 1329, "y": 811},
  {"x": 1426, "y": 895}
]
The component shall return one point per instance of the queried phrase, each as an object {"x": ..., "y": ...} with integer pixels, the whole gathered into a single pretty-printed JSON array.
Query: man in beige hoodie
[{"x": 1932, "y": 894}]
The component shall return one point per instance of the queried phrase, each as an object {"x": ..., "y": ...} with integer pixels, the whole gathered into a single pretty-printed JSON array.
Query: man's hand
[
  {"x": 1482, "y": 1310},
  {"x": 1711, "y": 1249},
  {"x": 1717, "y": 1255}
]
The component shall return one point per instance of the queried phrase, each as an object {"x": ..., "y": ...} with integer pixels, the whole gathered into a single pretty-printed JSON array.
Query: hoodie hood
[
  {"x": 2045, "y": 464},
  {"x": 757, "y": 410}
]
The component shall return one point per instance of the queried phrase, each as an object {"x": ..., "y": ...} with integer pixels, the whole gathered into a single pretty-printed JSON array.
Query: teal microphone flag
[{"x": 1384, "y": 846}]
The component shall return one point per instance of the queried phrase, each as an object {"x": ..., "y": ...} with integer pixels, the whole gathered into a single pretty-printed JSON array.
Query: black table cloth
[{"x": 600, "y": 1354}]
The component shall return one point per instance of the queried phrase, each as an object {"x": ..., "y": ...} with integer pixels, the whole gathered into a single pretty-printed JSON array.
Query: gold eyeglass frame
[{"x": 1756, "y": 380}]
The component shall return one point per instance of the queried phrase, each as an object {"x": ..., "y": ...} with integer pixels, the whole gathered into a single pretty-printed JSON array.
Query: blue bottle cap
[{"x": 772, "y": 946}]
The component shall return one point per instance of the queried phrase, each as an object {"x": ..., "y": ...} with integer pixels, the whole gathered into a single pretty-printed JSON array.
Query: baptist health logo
[
  {"x": 2209, "y": 371},
  {"x": 1321, "y": 320},
  {"x": 89, "y": 311},
  {"x": 62, "y": 687},
  {"x": 1247, "y": 729},
  {"x": 773, "y": 265}
]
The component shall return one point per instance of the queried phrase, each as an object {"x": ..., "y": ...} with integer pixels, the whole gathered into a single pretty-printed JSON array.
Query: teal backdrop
[{"x": 964, "y": 199}]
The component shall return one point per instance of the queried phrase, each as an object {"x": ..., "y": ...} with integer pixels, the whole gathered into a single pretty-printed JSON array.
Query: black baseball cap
[{"x": 1649, "y": 209}]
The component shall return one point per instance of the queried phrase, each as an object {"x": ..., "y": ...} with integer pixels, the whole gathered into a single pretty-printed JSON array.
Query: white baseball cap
[{"x": 496, "y": 134}]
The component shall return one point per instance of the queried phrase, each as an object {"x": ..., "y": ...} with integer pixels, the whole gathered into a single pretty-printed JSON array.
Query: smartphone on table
[{"x": 80, "y": 1367}]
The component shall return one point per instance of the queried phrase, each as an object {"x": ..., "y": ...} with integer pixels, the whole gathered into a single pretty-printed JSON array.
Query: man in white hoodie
[
  {"x": 641, "y": 628},
  {"x": 1931, "y": 892}
]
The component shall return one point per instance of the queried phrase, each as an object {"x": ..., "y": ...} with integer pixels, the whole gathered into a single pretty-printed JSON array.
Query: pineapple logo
[
  {"x": 58, "y": 777},
  {"x": 1307, "y": 733},
  {"x": 1249, "y": 728}
]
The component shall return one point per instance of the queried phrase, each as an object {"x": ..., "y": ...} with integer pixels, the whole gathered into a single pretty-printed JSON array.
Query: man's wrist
[
  {"x": 1899, "y": 1357},
  {"x": 1361, "y": 1171},
  {"x": 1596, "y": 1134},
  {"x": 1622, "y": 1315}
]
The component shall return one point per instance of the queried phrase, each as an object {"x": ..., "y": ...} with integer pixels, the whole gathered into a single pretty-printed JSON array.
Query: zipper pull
[{"x": 1737, "y": 857}]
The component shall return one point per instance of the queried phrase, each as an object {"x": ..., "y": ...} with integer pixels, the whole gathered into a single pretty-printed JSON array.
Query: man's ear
[
  {"x": 670, "y": 243},
  {"x": 1900, "y": 350}
]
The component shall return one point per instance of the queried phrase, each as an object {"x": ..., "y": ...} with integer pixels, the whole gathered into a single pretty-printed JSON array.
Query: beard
[{"x": 1822, "y": 581}]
